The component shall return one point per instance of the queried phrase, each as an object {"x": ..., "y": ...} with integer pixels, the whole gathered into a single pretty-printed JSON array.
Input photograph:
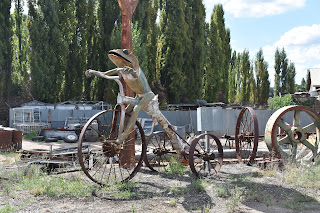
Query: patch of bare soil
[{"x": 154, "y": 192}]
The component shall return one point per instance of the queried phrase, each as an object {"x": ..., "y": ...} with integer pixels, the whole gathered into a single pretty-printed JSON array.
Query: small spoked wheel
[
  {"x": 247, "y": 136},
  {"x": 205, "y": 155},
  {"x": 101, "y": 158},
  {"x": 159, "y": 152},
  {"x": 296, "y": 138}
]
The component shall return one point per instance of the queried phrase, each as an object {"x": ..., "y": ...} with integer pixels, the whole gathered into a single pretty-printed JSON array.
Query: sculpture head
[{"x": 122, "y": 58}]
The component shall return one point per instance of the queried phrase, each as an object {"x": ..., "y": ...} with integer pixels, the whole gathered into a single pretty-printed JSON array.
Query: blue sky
[{"x": 290, "y": 24}]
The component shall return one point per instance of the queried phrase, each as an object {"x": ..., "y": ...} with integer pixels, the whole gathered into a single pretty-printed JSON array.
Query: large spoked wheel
[
  {"x": 105, "y": 162},
  {"x": 205, "y": 155},
  {"x": 159, "y": 152},
  {"x": 247, "y": 136},
  {"x": 296, "y": 140}
]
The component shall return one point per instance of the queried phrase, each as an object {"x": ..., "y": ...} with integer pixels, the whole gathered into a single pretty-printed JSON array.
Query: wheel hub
[{"x": 110, "y": 149}]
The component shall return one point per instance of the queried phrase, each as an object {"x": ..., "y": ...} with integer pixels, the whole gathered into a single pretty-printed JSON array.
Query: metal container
[
  {"x": 17, "y": 140},
  {"x": 5, "y": 140}
]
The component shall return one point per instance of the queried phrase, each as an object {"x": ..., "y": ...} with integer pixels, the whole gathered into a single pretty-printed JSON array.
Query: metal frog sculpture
[{"x": 146, "y": 100}]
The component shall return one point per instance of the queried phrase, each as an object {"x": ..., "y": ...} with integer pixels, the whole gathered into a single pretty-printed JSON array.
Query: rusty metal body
[{"x": 294, "y": 143}]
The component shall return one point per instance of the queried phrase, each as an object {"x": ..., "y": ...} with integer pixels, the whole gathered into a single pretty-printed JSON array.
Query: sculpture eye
[{"x": 126, "y": 51}]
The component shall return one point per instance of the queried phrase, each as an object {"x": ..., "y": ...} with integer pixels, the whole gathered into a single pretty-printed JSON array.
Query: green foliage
[
  {"x": 175, "y": 167},
  {"x": 39, "y": 183},
  {"x": 262, "y": 77},
  {"x": 222, "y": 191},
  {"x": 8, "y": 209},
  {"x": 237, "y": 197},
  {"x": 199, "y": 185},
  {"x": 279, "y": 102},
  {"x": 303, "y": 175},
  {"x": 218, "y": 58}
]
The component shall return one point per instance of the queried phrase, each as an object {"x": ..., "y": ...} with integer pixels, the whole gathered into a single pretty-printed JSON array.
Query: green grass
[
  {"x": 39, "y": 183},
  {"x": 8, "y": 209},
  {"x": 222, "y": 191},
  {"x": 29, "y": 136},
  {"x": 124, "y": 190},
  {"x": 199, "y": 185},
  {"x": 173, "y": 202},
  {"x": 175, "y": 167},
  {"x": 237, "y": 196},
  {"x": 175, "y": 190},
  {"x": 303, "y": 175}
]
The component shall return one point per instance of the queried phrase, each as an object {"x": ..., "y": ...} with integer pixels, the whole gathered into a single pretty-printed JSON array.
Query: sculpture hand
[
  {"x": 89, "y": 73},
  {"x": 130, "y": 71}
]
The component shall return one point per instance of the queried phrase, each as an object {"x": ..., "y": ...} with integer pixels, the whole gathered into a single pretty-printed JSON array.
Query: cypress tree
[
  {"x": 291, "y": 78},
  {"x": 262, "y": 77},
  {"x": 5, "y": 49},
  {"x": 245, "y": 77},
  {"x": 218, "y": 59},
  {"x": 232, "y": 77},
  {"x": 195, "y": 49},
  {"x": 172, "y": 50}
]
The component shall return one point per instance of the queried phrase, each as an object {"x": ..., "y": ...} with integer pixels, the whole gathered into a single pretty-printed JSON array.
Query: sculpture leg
[{"x": 134, "y": 115}]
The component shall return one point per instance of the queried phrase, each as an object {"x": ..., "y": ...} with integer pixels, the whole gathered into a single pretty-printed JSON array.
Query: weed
[
  {"x": 7, "y": 209},
  {"x": 303, "y": 175},
  {"x": 267, "y": 199},
  {"x": 222, "y": 191},
  {"x": 124, "y": 190},
  {"x": 29, "y": 136},
  {"x": 206, "y": 208},
  {"x": 176, "y": 190},
  {"x": 133, "y": 208},
  {"x": 237, "y": 197},
  {"x": 199, "y": 185},
  {"x": 173, "y": 202},
  {"x": 175, "y": 167}
]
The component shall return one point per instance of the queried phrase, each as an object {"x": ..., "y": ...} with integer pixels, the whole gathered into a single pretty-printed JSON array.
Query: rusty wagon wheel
[
  {"x": 247, "y": 136},
  {"x": 205, "y": 155},
  {"x": 293, "y": 140},
  {"x": 159, "y": 151},
  {"x": 104, "y": 162}
]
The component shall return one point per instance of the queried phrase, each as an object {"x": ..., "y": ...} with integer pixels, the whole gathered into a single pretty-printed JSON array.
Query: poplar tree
[
  {"x": 172, "y": 50},
  {"x": 194, "y": 56},
  {"x": 245, "y": 77},
  {"x": 281, "y": 69},
  {"x": 232, "y": 77},
  {"x": 291, "y": 78},
  {"x": 218, "y": 57},
  {"x": 5, "y": 49},
  {"x": 20, "y": 59},
  {"x": 262, "y": 78}
]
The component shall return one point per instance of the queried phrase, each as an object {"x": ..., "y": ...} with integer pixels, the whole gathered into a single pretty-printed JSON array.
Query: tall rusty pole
[{"x": 127, "y": 8}]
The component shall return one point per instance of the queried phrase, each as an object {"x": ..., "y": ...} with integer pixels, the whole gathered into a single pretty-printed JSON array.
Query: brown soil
[{"x": 167, "y": 193}]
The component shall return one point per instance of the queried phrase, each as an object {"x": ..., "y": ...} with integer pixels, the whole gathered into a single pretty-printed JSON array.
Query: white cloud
[
  {"x": 302, "y": 45},
  {"x": 254, "y": 8}
]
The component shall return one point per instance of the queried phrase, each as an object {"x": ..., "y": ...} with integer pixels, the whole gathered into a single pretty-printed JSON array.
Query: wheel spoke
[
  {"x": 283, "y": 126},
  {"x": 296, "y": 119},
  {"x": 294, "y": 151},
  {"x": 311, "y": 126},
  {"x": 308, "y": 144},
  {"x": 284, "y": 140}
]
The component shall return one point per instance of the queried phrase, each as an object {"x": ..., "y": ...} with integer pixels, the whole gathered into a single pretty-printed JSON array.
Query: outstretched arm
[{"x": 107, "y": 75}]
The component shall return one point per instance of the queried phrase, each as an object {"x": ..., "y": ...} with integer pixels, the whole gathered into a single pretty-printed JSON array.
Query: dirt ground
[{"x": 157, "y": 193}]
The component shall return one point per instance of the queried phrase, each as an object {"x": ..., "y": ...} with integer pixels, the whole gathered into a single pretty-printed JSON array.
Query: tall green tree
[
  {"x": 245, "y": 77},
  {"x": 232, "y": 77},
  {"x": 218, "y": 59},
  {"x": 281, "y": 70},
  {"x": 48, "y": 50},
  {"x": 194, "y": 56},
  {"x": 5, "y": 49},
  {"x": 173, "y": 29},
  {"x": 20, "y": 59},
  {"x": 290, "y": 84},
  {"x": 262, "y": 78}
]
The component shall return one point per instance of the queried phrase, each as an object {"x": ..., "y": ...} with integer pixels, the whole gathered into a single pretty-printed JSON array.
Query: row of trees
[{"x": 43, "y": 55}]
